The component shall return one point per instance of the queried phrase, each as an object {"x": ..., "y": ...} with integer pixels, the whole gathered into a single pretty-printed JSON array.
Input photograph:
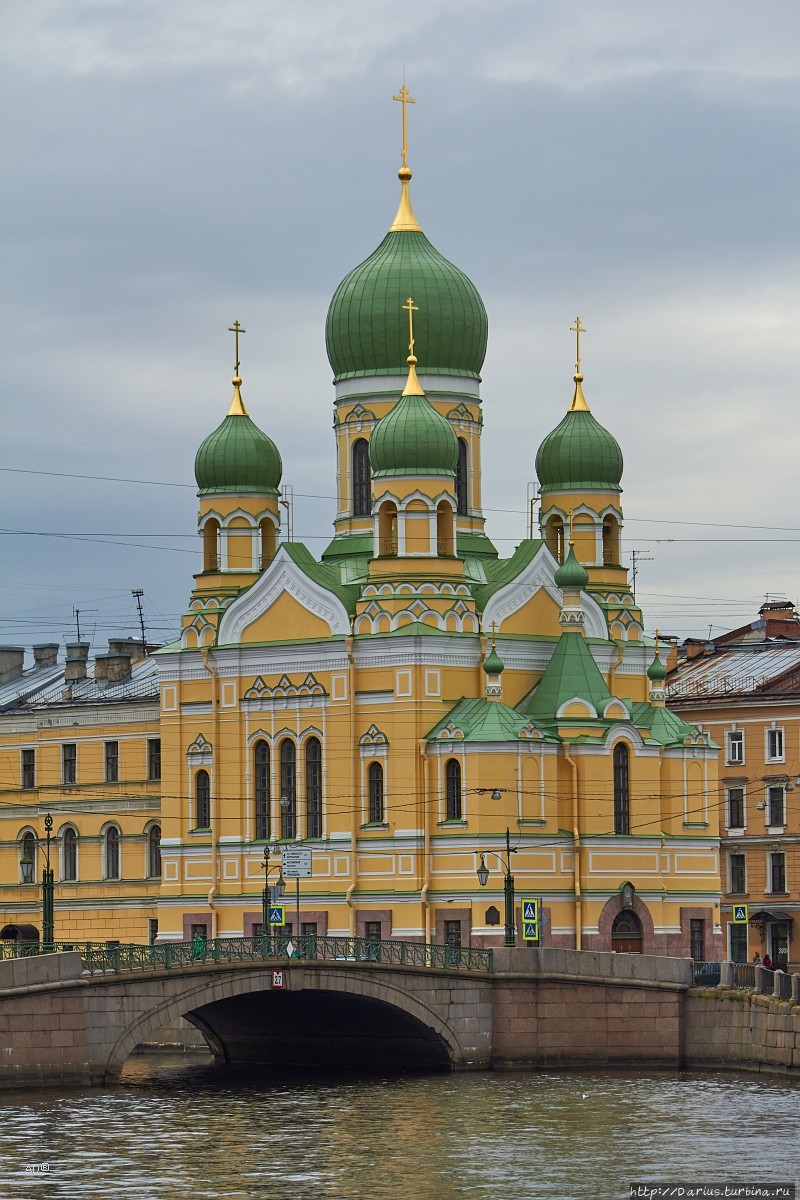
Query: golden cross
[
  {"x": 412, "y": 308},
  {"x": 236, "y": 329},
  {"x": 577, "y": 330},
  {"x": 494, "y": 631},
  {"x": 404, "y": 99}
]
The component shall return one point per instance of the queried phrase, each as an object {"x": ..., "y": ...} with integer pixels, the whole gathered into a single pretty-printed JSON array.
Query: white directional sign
[{"x": 295, "y": 862}]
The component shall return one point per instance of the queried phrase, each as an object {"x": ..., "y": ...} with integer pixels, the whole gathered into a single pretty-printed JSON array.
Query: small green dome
[
  {"x": 237, "y": 456},
  {"x": 413, "y": 439},
  {"x": 656, "y": 671},
  {"x": 367, "y": 329},
  {"x": 579, "y": 453},
  {"x": 571, "y": 573},
  {"x": 493, "y": 663}
]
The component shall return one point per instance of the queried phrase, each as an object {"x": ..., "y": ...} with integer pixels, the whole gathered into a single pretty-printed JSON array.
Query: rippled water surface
[{"x": 176, "y": 1130}]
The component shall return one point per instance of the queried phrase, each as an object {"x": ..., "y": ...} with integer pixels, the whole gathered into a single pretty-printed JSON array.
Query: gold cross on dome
[
  {"x": 578, "y": 330},
  {"x": 404, "y": 99},
  {"x": 411, "y": 308},
  {"x": 236, "y": 329}
]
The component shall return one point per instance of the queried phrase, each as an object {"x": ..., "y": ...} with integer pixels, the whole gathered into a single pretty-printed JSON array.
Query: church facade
[{"x": 423, "y": 715}]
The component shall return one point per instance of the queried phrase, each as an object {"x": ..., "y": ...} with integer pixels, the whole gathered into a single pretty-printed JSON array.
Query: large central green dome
[{"x": 367, "y": 331}]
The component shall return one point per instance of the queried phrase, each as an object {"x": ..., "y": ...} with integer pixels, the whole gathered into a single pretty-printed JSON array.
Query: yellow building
[
  {"x": 412, "y": 707},
  {"x": 744, "y": 687}
]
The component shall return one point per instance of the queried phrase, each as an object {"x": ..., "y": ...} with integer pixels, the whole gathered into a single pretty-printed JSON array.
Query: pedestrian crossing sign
[
  {"x": 739, "y": 914},
  {"x": 530, "y": 920},
  {"x": 277, "y": 914}
]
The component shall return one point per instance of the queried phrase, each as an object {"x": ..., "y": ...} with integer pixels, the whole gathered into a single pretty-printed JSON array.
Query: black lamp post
[
  {"x": 508, "y": 888},
  {"x": 280, "y": 888},
  {"x": 48, "y": 889}
]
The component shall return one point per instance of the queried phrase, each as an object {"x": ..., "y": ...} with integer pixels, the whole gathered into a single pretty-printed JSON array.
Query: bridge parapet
[{"x": 595, "y": 966}]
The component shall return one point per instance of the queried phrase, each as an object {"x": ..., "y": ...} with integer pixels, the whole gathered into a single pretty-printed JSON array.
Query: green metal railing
[{"x": 100, "y": 958}]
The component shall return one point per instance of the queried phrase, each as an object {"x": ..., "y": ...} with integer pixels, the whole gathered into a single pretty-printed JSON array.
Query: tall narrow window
[
  {"x": 776, "y": 809},
  {"x": 554, "y": 537},
  {"x": 288, "y": 789},
  {"x": 376, "y": 793},
  {"x": 775, "y": 745},
  {"x": 211, "y": 545},
  {"x": 462, "y": 479},
  {"x": 154, "y": 758},
  {"x": 735, "y": 746},
  {"x": 69, "y": 762},
  {"x": 697, "y": 939},
  {"x": 28, "y": 763},
  {"x": 112, "y": 762},
  {"x": 261, "y": 764},
  {"x": 736, "y": 808},
  {"x": 777, "y": 872},
  {"x": 453, "y": 790},
  {"x": 738, "y": 873},
  {"x": 738, "y": 936},
  {"x": 202, "y": 800},
  {"x": 69, "y": 847},
  {"x": 621, "y": 792},
  {"x": 313, "y": 788},
  {"x": 27, "y": 858},
  {"x": 112, "y": 853},
  {"x": 154, "y": 852},
  {"x": 362, "y": 482}
]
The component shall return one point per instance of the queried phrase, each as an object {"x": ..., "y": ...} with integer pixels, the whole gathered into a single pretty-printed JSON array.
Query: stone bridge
[{"x": 60, "y": 1023}]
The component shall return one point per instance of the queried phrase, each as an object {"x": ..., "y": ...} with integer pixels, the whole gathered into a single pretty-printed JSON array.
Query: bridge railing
[{"x": 102, "y": 958}]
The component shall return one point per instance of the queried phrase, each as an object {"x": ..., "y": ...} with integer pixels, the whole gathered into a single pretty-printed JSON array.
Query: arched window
[
  {"x": 202, "y": 800},
  {"x": 69, "y": 850},
  {"x": 444, "y": 529},
  {"x": 211, "y": 545},
  {"x": 269, "y": 541},
  {"x": 626, "y": 933},
  {"x": 112, "y": 853},
  {"x": 313, "y": 788},
  {"x": 376, "y": 793},
  {"x": 462, "y": 480},
  {"x": 453, "y": 790},
  {"x": 362, "y": 480},
  {"x": 154, "y": 852},
  {"x": 610, "y": 540},
  {"x": 387, "y": 529},
  {"x": 27, "y": 858},
  {"x": 262, "y": 814},
  {"x": 288, "y": 788},
  {"x": 621, "y": 795},
  {"x": 554, "y": 537}
]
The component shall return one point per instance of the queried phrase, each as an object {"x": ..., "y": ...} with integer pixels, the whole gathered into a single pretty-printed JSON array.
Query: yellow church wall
[
  {"x": 540, "y": 613},
  {"x": 284, "y": 615}
]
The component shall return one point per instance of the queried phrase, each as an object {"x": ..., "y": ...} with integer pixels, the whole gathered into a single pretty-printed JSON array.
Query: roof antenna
[{"x": 137, "y": 594}]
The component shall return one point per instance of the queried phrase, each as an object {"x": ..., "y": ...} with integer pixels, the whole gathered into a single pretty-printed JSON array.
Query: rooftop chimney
[
  {"x": 45, "y": 654},
  {"x": 112, "y": 667},
  {"x": 11, "y": 660},
  {"x": 75, "y": 666}
]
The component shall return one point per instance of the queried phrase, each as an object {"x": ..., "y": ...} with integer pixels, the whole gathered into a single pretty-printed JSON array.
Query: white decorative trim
[
  {"x": 538, "y": 574},
  {"x": 282, "y": 576}
]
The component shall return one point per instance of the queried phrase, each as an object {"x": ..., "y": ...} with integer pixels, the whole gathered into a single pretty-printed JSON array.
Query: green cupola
[
  {"x": 579, "y": 453},
  {"x": 237, "y": 456},
  {"x": 571, "y": 573},
  {"x": 364, "y": 328},
  {"x": 413, "y": 439}
]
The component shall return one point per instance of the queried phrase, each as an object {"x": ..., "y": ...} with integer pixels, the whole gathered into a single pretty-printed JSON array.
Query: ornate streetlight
[{"x": 508, "y": 887}]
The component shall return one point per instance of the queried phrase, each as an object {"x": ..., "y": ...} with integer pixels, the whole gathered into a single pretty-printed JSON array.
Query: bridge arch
[{"x": 191, "y": 997}]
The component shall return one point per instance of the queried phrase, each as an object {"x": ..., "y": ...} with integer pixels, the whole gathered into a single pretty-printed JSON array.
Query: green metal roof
[
  {"x": 366, "y": 332},
  {"x": 656, "y": 671},
  {"x": 503, "y": 570},
  {"x": 571, "y": 574},
  {"x": 413, "y": 439},
  {"x": 662, "y": 725},
  {"x": 571, "y": 672},
  {"x": 483, "y": 720},
  {"x": 579, "y": 453},
  {"x": 493, "y": 663},
  {"x": 237, "y": 457},
  {"x": 327, "y": 575}
]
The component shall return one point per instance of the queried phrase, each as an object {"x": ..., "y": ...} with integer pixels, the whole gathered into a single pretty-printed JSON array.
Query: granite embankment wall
[{"x": 727, "y": 1028}]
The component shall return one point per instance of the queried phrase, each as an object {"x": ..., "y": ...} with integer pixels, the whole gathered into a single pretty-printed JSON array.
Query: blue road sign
[
  {"x": 530, "y": 919},
  {"x": 277, "y": 914},
  {"x": 739, "y": 914}
]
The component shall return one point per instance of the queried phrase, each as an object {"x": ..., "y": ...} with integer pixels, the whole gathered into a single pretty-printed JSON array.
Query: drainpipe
[
  {"x": 354, "y": 814},
  {"x": 426, "y": 844},
  {"x": 576, "y": 849},
  {"x": 212, "y": 892},
  {"x": 612, "y": 670}
]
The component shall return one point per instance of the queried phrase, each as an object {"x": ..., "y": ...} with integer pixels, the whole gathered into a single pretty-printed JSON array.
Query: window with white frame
[
  {"x": 777, "y": 872},
  {"x": 734, "y": 743},
  {"x": 776, "y": 806},
  {"x": 774, "y": 745},
  {"x": 737, "y": 875},
  {"x": 735, "y": 808}
]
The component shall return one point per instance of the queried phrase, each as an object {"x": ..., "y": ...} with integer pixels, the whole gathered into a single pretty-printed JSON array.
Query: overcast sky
[{"x": 172, "y": 167}]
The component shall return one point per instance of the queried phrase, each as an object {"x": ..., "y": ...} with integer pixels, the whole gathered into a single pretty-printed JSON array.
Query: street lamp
[
  {"x": 508, "y": 887},
  {"x": 28, "y": 867},
  {"x": 280, "y": 888}
]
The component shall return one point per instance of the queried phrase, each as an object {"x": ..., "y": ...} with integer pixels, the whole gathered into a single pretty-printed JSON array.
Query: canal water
[{"x": 176, "y": 1129}]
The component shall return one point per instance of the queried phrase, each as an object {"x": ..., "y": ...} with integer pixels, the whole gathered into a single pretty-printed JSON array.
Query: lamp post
[
  {"x": 508, "y": 887},
  {"x": 28, "y": 872},
  {"x": 280, "y": 888}
]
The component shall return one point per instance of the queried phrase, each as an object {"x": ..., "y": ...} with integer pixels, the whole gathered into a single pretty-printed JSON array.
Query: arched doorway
[{"x": 626, "y": 933}]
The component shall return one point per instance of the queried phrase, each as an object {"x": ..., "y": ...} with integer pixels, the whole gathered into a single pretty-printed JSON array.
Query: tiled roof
[{"x": 741, "y": 670}]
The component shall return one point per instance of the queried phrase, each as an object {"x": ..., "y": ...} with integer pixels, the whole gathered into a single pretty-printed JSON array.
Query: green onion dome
[
  {"x": 657, "y": 671},
  {"x": 413, "y": 439},
  {"x": 493, "y": 663},
  {"x": 237, "y": 456},
  {"x": 571, "y": 574},
  {"x": 579, "y": 453},
  {"x": 366, "y": 326}
]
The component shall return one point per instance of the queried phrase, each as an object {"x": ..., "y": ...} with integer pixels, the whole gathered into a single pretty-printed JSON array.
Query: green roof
[
  {"x": 571, "y": 672},
  {"x": 503, "y": 570},
  {"x": 237, "y": 457},
  {"x": 571, "y": 574},
  {"x": 483, "y": 720},
  {"x": 413, "y": 439},
  {"x": 662, "y": 724},
  {"x": 327, "y": 575},
  {"x": 493, "y": 663},
  {"x": 579, "y": 453},
  {"x": 656, "y": 670},
  {"x": 366, "y": 332}
]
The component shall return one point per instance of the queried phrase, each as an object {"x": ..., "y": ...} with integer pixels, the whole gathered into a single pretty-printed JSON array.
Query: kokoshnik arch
[{"x": 401, "y": 702}]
